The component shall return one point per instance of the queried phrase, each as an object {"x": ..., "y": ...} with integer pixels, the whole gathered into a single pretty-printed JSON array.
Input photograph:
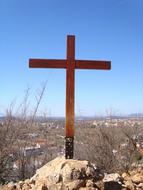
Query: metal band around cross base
[{"x": 69, "y": 145}]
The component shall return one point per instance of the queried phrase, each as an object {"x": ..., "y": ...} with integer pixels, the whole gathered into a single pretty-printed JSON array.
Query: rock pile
[{"x": 62, "y": 174}]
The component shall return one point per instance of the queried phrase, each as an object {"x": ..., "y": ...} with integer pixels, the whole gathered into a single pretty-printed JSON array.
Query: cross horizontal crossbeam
[{"x": 62, "y": 64}]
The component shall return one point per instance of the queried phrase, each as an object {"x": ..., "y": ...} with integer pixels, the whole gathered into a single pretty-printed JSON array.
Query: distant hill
[
  {"x": 43, "y": 119},
  {"x": 2, "y": 118},
  {"x": 136, "y": 115}
]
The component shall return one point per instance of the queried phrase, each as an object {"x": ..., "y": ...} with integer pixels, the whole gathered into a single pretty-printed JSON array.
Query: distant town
[{"x": 32, "y": 144}]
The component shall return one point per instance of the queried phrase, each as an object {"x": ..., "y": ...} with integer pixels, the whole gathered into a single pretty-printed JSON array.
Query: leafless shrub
[
  {"x": 14, "y": 139},
  {"x": 128, "y": 152},
  {"x": 110, "y": 148},
  {"x": 98, "y": 147},
  {"x": 8, "y": 133}
]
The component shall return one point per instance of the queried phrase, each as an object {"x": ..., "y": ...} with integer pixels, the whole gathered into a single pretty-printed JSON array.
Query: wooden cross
[{"x": 70, "y": 64}]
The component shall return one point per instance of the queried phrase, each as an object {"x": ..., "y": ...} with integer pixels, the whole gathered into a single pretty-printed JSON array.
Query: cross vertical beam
[{"x": 70, "y": 78}]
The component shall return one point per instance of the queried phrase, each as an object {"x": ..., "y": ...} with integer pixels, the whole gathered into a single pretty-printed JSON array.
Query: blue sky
[{"x": 105, "y": 30}]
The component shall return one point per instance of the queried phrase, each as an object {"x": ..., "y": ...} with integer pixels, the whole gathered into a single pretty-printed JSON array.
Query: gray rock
[{"x": 112, "y": 177}]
